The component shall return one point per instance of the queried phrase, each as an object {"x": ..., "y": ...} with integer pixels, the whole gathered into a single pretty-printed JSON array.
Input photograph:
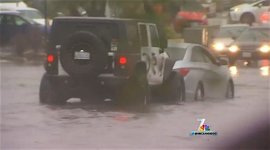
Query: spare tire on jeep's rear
[{"x": 83, "y": 54}]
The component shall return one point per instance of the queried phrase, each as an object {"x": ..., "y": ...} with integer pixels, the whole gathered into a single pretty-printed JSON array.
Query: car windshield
[
  {"x": 176, "y": 53},
  {"x": 257, "y": 35},
  {"x": 229, "y": 32},
  {"x": 31, "y": 14}
]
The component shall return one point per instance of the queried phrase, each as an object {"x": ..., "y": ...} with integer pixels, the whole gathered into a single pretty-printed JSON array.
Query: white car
[
  {"x": 28, "y": 12},
  {"x": 204, "y": 75},
  {"x": 249, "y": 13}
]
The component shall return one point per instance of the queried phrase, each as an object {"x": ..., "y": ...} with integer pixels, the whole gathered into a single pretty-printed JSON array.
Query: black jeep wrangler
[{"x": 108, "y": 57}]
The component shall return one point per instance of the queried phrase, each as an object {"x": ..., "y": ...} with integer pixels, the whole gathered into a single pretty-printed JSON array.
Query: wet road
[{"x": 26, "y": 124}]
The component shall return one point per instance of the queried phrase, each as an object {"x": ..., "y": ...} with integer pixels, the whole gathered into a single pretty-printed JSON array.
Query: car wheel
[
  {"x": 199, "y": 93},
  {"x": 230, "y": 90},
  {"x": 48, "y": 93},
  {"x": 247, "y": 18}
]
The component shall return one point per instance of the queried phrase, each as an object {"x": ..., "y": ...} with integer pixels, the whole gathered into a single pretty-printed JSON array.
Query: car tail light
[
  {"x": 122, "y": 60},
  {"x": 184, "y": 71},
  {"x": 265, "y": 17},
  {"x": 50, "y": 58}
]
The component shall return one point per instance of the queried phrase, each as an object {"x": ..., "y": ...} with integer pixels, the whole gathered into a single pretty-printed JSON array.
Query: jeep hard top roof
[{"x": 96, "y": 19}]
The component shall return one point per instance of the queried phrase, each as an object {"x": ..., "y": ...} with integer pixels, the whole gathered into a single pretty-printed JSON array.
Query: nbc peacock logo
[{"x": 203, "y": 129}]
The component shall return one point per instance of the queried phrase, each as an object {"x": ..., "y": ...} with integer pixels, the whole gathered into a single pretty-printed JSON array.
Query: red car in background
[{"x": 191, "y": 13}]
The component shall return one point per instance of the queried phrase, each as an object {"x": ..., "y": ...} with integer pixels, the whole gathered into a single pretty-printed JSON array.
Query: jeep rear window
[{"x": 176, "y": 53}]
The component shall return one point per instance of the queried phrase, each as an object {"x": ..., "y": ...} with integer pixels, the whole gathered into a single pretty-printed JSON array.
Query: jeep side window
[
  {"x": 132, "y": 34},
  {"x": 143, "y": 35},
  {"x": 154, "y": 36}
]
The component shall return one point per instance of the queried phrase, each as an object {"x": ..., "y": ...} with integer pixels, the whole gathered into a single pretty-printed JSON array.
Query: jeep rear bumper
[
  {"x": 83, "y": 87},
  {"x": 102, "y": 79}
]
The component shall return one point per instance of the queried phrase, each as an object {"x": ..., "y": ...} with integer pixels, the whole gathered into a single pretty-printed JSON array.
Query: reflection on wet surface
[{"x": 26, "y": 124}]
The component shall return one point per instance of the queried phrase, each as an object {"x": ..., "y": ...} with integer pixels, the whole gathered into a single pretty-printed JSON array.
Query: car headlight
[
  {"x": 236, "y": 9},
  {"x": 264, "y": 48},
  {"x": 233, "y": 48},
  {"x": 218, "y": 46}
]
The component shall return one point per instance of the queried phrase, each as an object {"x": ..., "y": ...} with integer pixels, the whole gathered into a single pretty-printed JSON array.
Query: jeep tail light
[
  {"x": 184, "y": 71},
  {"x": 122, "y": 60},
  {"x": 50, "y": 58}
]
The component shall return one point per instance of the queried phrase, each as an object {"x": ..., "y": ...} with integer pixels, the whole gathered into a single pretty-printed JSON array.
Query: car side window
[
  {"x": 19, "y": 21},
  {"x": 10, "y": 20},
  {"x": 1, "y": 19},
  {"x": 154, "y": 36},
  {"x": 208, "y": 58},
  {"x": 197, "y": 55},
  {"x": 265, "y": 3},
  {"x": 143, "y": 35}
]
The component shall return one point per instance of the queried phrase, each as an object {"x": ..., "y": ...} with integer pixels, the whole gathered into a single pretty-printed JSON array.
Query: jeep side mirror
[{"x": 161, "y": 50}]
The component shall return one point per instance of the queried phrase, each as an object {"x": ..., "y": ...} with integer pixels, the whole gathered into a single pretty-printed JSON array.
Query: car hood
[
  {"x": 245, "y": 5},
  {"x": 248, "y": 43},
  {"x": 225, "y": 41},
  {"x": 40, "y": 21},
  {"x": 249, "y": 46}
]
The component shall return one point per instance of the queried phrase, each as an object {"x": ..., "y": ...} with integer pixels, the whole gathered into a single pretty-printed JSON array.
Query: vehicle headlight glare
[
  {"x": 236, "y": 9},
  {"x": 219, "y": 46},
  {"x": 265, "y": 49},
  {"x": 233, "y": 70},
  {"x": 234, "y": 48}
]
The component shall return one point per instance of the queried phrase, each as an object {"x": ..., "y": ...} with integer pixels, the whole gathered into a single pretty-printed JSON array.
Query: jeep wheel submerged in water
[
  {"x": 48, "y": 94},
  {"x": 83, "y": 54}
]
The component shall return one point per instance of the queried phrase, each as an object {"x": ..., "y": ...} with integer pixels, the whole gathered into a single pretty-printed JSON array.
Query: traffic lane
[{"x": 27, "y": 124}]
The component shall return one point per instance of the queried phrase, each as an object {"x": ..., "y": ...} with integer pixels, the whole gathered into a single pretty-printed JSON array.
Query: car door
[
  {"x": 197, "y": 69},
  {"x": 14, "y": 26},
  {"x": 150, "y": 52},
  {"x": 216, "y": 76},
  {"x": 2, "y": 30}
]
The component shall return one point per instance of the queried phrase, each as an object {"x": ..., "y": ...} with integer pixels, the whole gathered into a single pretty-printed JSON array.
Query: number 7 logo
[{"x": 201, "y": 124}]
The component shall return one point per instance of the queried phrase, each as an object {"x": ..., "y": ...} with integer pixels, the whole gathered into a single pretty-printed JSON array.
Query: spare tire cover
[{"x": 83, "y": 54}]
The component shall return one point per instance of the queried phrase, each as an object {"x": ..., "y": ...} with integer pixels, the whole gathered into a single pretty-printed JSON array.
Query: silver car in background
[
  {"x": 204, "y": 75},
  {"x": 225, "y": 36}
]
